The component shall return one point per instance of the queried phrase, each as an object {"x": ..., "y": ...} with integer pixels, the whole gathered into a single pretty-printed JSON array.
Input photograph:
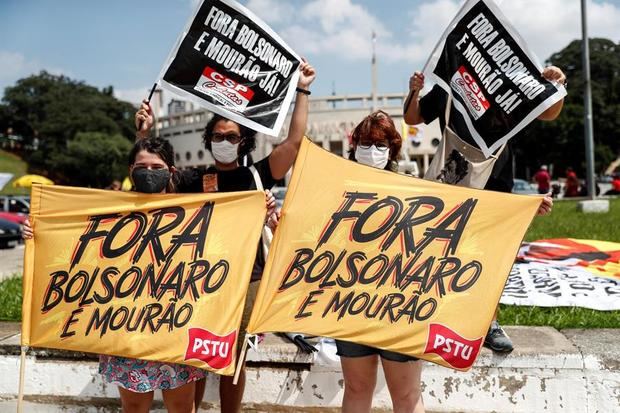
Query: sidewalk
[
  {"x": 12, "y": 260},
  {"x": 549, "y": 371}
]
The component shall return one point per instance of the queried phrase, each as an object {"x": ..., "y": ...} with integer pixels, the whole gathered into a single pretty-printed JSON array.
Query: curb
[{"x": 549, "y": 371}]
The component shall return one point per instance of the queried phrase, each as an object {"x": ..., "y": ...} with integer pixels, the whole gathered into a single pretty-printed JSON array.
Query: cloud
[
  {"x": 134, "y": 96},
  {"x": 271, "y": 11},
  {"x": 559, "y": 22},
  {"x": 329, "y": 27},
  {"x": 16, "y": 66},
  {"x": 194, "y": 3},
  {"x": 342, "y": 28},
  {"x": 547, "y": 26},
  {"x": 13, "y": 65}
]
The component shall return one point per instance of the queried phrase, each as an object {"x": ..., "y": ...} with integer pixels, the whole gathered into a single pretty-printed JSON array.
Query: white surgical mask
[
  {"x": 372, "y": 156},
  {"x": 225, "y": 152}
]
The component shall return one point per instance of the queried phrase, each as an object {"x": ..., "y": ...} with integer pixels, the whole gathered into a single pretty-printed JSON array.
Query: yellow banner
[
  {"x": 390, "y": 261},
  {"x": 153, "y": 277}
]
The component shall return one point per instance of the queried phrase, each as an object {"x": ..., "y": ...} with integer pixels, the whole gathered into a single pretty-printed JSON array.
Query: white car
[
  {"x": 523, "y": 187},
  {"x": 279, "y": 192}
]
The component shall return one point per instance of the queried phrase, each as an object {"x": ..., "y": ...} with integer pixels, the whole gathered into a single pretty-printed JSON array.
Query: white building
[{"x": 330, "y": 122}]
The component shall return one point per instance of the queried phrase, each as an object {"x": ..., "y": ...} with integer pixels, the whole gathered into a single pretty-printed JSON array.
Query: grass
[
  {"x": 11, "y": 299},
  {"x": 564, "y": 222},
  {"x": 558, "y": 317},
  {"x": 13, "y": 164}
]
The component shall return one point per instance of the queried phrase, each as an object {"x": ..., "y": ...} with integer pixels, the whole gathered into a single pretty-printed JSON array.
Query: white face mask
[
  {"x": 372, "y": 156},
  {"x": 225, "y": 152}
]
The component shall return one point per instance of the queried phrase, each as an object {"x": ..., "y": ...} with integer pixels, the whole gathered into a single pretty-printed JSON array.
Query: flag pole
[
  {"x": 22, "y": 373},
  {"x": 149, "y": 100}
]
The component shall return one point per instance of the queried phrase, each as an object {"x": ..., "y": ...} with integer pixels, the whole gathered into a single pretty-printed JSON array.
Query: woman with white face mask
[
  {"x": 229, "y": 143},
  {"x": 376, "y": 142}
]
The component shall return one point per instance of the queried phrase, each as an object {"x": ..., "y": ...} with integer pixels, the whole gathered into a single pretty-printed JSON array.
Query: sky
[{"x": 123, "y": 43}]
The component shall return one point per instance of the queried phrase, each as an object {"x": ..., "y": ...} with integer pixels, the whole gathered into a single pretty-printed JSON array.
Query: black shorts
[{"x": 348, "y": 349}]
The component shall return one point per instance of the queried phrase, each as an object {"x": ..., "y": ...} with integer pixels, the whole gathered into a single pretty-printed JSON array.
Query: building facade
[{"x": 330, "y": 122}]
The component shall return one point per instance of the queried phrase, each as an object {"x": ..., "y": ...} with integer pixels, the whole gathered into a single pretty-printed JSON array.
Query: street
[{"x": 11, "y": 261}]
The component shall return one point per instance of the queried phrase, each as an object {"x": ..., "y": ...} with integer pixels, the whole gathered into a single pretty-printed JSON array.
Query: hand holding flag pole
[{"x": 143, "y": 114}]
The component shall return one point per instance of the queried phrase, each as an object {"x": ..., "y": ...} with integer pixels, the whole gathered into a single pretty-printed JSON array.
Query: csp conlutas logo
[
  {"x": 234, "y": 96},
  {"x": 465, "y": 85}
]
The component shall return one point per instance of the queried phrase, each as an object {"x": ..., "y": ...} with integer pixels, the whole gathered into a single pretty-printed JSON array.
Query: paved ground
[{"x": 11, "y": 261}]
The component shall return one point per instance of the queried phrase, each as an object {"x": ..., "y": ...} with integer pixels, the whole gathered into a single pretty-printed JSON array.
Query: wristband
[{"x": 304, "y": 91}]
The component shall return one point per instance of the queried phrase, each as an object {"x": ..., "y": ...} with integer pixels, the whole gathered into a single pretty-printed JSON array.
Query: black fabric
[
  {"x": 433, "y": 105},
  {"x": 350, "y": 349},
  {"x": 239, "y": 179}
]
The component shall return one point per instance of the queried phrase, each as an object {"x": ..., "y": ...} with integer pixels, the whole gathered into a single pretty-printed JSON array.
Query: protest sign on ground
[
  {"x": 390, "y": 261},
  {"x": 229, "y": 61},
  {"x": 153, "y": 277},
  {"x": 495, "y": 80},
  {"x": 564, "y": 273}
]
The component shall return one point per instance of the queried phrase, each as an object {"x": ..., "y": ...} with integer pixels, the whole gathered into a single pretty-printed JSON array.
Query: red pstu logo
[
  {"x": 216, "y": 351},
  {"x": 458, "y": 351}
]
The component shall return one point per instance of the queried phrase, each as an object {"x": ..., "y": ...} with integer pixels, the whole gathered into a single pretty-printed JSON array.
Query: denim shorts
[{"x": 348, "y": 349}]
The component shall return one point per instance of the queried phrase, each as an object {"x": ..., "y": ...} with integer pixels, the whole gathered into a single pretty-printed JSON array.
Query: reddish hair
[{"x": 378, "y": 126}]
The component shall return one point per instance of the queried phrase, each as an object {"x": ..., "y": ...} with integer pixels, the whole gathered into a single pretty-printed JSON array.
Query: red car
[{"x": 15, "y": 217}]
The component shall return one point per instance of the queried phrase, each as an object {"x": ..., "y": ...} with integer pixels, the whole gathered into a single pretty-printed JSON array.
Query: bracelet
[{"x": 304, "y": 91}]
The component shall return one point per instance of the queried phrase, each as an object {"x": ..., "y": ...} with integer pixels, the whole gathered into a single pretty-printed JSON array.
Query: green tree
[
  {"x": 53, "y": 110},
  {"x": 92, "y": 159},
  {"x": 561, "y": 142}
]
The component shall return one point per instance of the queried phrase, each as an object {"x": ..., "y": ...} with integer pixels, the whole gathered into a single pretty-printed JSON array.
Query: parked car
[
  {"x": 15, "y": 203},
  {"x": 14, "y": 217},
  {"x": 279, "y": 192},
  {"x": 523, "y": 187},
  {"x": 10, "y": 234}
]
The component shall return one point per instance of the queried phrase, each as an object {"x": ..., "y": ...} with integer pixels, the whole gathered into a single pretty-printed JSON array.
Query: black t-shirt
[
  {"x": 239, "y": 179},
  {"x": 433, "y": 105}
]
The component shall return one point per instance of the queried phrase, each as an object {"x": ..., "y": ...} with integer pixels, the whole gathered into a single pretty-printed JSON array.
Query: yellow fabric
[
  {"x": 26, "y": 181},
  {"x": 491, "y": 236},
  {"x": 61, "y": 217},
  {"x": 127, "y": 184}
]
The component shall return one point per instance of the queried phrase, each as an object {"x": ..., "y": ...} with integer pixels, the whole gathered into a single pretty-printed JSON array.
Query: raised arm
[
  {"x": 283, "y": 156},
  {"x": 411, "y": 111},
  {"x": 144, "y": 120},
  {"x": 554, "y": 74}
]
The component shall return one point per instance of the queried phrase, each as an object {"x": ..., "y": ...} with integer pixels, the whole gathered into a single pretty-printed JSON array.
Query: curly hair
[
  {"x": 377, "y": 126},
  {"x": 247, "y": 145}
]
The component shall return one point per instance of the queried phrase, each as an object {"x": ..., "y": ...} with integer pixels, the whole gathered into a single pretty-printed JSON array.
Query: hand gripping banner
[
  {"x": 153, "y": 277},
  {"x": 229, "y": 61},
  {"x": 495, "y": 80},
  {"x": 394, "y": 262}
]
